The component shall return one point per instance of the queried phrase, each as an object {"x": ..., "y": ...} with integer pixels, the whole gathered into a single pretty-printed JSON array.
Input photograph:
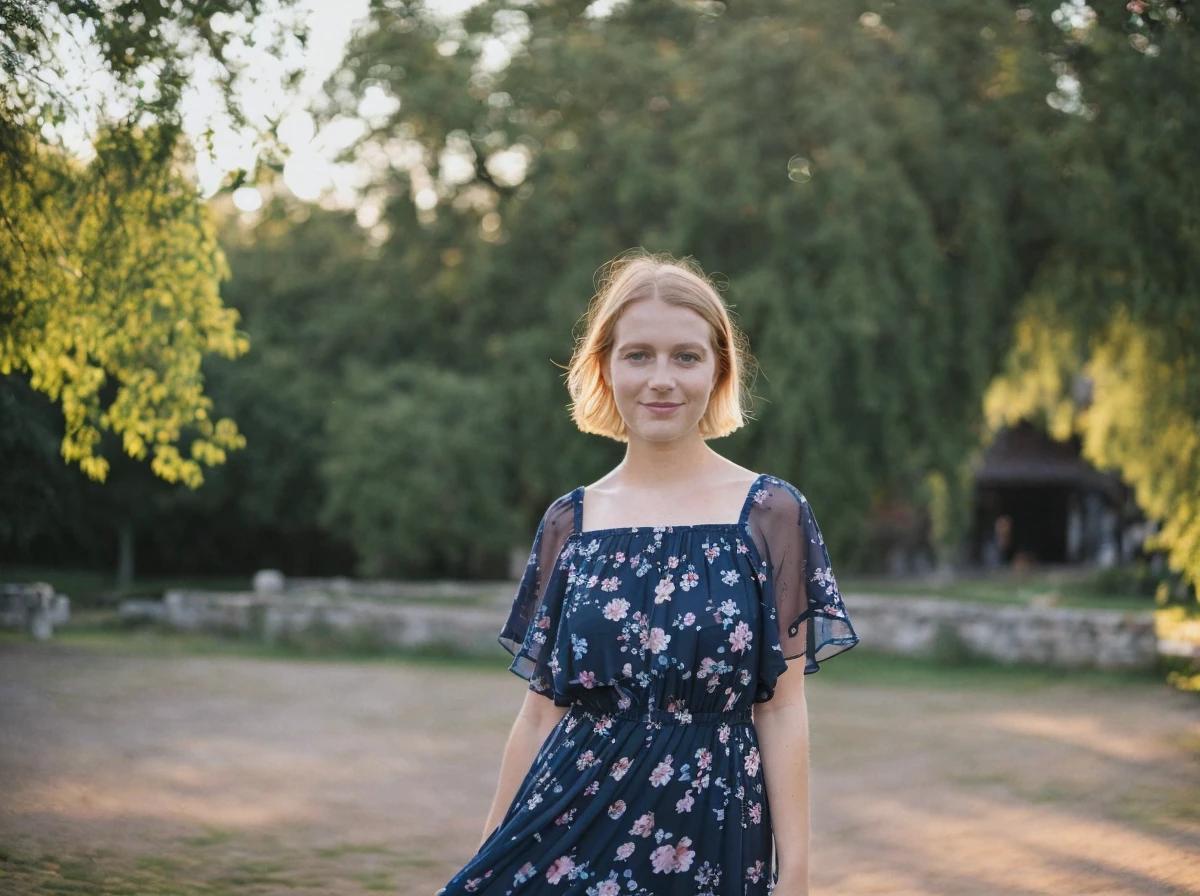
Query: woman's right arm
[{"x": 537, "y": 717}]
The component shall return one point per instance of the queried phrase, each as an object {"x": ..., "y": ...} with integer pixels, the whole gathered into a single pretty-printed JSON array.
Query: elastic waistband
[{"x": 663, "y": 716}]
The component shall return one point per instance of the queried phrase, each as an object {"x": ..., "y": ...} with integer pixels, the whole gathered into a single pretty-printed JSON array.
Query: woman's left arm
[{"x": 782, "y": 726}]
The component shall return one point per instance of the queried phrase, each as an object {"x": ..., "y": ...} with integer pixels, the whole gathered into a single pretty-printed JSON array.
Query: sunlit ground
[{"x": 155, "y": 763}]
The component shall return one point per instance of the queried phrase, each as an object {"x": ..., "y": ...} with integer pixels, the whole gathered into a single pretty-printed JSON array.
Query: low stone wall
[
  {"x": 308, "y": 617},
  {"x": 1052, "y": 636},
  {"x": 33, "y": 607}
]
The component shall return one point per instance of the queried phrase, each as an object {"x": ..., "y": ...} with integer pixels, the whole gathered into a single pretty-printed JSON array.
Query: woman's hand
[{"x": 790, "y": 886}]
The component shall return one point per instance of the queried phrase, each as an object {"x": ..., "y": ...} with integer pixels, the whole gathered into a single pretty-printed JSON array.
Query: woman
[{"x": 658, "y": 606}]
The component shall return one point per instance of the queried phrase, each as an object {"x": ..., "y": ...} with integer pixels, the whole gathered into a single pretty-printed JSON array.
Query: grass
[
  {"x": 101, "y": 630},
  {"x": 192, "y": 873}
]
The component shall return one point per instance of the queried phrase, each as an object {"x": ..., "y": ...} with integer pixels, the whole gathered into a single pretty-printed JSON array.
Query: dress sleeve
[
  {"x": 531, "y": 630},
  {"x": 804, "y": 615}
]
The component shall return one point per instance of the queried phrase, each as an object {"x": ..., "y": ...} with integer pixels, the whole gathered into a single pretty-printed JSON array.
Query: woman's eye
[{"x": 633, "y": 356}]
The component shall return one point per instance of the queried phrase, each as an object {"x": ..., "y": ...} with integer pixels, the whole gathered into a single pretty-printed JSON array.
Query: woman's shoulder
[
  {"x": 560, "y": 512},
  {"x": 775, "y": 496}
]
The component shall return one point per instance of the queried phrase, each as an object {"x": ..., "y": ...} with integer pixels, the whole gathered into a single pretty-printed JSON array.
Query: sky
[{"x": 309, "y": 172}]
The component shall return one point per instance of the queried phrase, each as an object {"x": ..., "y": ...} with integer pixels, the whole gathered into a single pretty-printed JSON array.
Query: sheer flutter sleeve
[
  {"x": 803, "y": 612},
  {"x": 531, "y": 630}
]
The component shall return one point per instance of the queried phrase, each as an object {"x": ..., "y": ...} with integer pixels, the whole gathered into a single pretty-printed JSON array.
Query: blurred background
[{"x": 286, "y": 293}]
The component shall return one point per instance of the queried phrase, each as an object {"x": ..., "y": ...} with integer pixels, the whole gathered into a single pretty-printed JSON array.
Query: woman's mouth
[{"x": 661, "y": 407}]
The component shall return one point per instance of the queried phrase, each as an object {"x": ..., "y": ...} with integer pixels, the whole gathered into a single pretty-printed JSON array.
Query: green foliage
[
  {"x": 415, "y": 456},
  {"x": 109, "y": 295},
  {"x": 112, "y": 280},
  {"x": 930, "y": 220},
  {"x": 889, "y": 190},
  {"x": 860, "y": 183}
]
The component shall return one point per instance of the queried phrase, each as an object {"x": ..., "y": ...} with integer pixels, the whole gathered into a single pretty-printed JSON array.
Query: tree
[
  {"x": 110, "y": 270},
  {"x": 892, "y": 193}
]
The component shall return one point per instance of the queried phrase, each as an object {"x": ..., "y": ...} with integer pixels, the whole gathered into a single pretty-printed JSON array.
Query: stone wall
[
  {"x": 33, "y": 607},
  {"x": 1053, "y": 636}
]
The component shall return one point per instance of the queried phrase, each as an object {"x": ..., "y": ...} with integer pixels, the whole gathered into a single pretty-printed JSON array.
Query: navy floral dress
[{"x": 658, "y": 639}]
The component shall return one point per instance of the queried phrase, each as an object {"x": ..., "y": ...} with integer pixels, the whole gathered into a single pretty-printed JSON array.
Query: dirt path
[{"x": 214, "y": 774}]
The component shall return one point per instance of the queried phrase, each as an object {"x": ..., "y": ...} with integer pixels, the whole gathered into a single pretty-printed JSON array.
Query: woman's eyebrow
[{"x": 626, "y": 345}]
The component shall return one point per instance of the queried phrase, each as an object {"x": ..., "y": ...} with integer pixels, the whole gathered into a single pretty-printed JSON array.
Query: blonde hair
[{"x": 631, "y": 277}]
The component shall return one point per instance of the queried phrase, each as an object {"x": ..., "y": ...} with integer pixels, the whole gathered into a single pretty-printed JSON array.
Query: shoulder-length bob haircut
[{"x": 635, "y": 276}]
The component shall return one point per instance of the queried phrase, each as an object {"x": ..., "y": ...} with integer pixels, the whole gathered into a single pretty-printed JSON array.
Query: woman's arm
[
  {"x": 537, "y": 716},
  {"x": 782, "y": 727}
]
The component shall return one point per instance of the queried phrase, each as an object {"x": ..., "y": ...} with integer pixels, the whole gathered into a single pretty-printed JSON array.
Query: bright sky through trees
[{"x": 309, "y": 169}]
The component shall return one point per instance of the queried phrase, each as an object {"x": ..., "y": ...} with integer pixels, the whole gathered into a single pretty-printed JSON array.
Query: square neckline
[{"x": 580, "y": 532}]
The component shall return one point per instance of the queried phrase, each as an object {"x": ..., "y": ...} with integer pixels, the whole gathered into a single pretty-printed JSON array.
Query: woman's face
[{"x": 661, "y": 355}]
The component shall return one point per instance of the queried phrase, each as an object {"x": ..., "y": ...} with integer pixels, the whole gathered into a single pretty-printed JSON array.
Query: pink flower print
[
  {"x": 559, "y": 868},
  {"x": 566, "y": 818},
  {"x": 643, "y": 826},
  {"x": 756, "y": 813},
  {"x": 685, "y": 804},
  {"x": 760, "y": 495},
  {"x": 625, "y": 850},
  {"x": 588, "y": 679},
  {"x": 740, "y": 638},
  {"x": 662, "y": 591},
  {"x": 754, "y": 873},
  {"x": 706, "y": 667},
  {"x": 731, "y": 577},
  {"x": 592, "y": 580},
  {"x": 762, "y": 577},
  {"x": 672, "y": 562},
  {"x": 616, "y": 810},
  {"x": 608, "y": 887},
  {"x": 824, "y": 576},
  {"x": 689, "y": 618},
  {"x": 663, "y": 772},
  {"x": 742, "y": 547},
  {"x": 619, "y": 557},
  {"x": 668, "y": 858},
  {"x": 689, "y": 580},
  {"x": 586, "y": 758},
  {"x": 704, "y": 759},
  {"x": 591, "y": 789},
  {"x": 620, "y": 767},
  {"x": 656, "y": 641},
  {"x": 752, "y": 762},
  {"x": 711, "y": 553},
  {"x": 612, "y": 583},
  {"x": 723, "y": 732},
  {"x": 616, "y": 609},
  {"x": 683, "y": 855},
  {"x": 523, "y": 873},
  {"x": 729, "y": 608}
]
